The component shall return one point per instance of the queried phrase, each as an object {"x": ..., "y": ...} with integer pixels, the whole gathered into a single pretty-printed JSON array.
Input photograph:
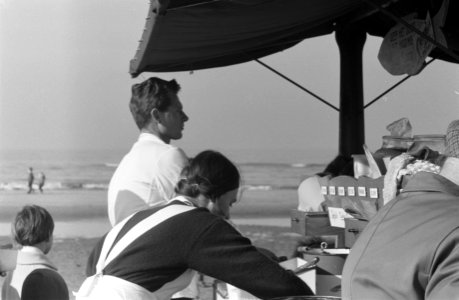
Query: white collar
[
  {"x": 146, "y": 136},
  {"x": 183, "y": 199},
  {"x": 29, "y": 255},
  {"x": 31, "y": 249}
]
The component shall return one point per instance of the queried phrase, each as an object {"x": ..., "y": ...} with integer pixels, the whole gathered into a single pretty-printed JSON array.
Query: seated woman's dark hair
[
  {"x": 32, "y": 225},
  {"x": 210, "y": 174}
]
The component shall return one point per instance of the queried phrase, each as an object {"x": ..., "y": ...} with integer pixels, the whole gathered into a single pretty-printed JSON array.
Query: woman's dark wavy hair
[
  {"x": 151, "y": 93},
  {"x": 210, "y": 174},
  {"x": 32, "y": 225}
]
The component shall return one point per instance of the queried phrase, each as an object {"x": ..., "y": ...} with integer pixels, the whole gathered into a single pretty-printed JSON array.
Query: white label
[
  {"x": 351, "y": 191},
  {"x": 362, "y": 191},
  {"x": 332, "y": 190},
  {"x": 337, "y": 215},
  {"x": 341, "y": 191},
  {"x": 374, "y": 193},
  {"x": 324, "y": 189}
]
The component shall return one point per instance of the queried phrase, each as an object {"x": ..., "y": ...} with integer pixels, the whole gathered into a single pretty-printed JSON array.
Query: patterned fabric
[{"x": 452, "y": 139}]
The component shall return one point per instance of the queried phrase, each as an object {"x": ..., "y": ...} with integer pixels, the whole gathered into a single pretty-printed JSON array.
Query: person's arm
[
  {"x": 444, "y": 280},
  {"x": 171, "y": 165},
  {"x": 221, "y": 252}
]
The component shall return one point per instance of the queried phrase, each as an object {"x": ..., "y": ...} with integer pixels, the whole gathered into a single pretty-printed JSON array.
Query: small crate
[
  {"x": 224, "y": 291},
  {"x": 315, "y": 224},
  {"x": 352, "y": 230},
  {"x": 328, "y": 270}
]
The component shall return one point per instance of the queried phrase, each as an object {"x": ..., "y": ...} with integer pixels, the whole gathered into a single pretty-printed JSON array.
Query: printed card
[{"x": 337, "y": 215}]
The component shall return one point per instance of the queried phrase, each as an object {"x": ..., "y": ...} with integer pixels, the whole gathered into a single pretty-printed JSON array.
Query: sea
[{"x": 261, "y": 169}]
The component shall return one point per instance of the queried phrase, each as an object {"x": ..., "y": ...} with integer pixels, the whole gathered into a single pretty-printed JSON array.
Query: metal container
[
  {"x": 328, "y": 270},
  {"x": 393, "y": 142},
  {"x": 435, "y": 142},
  {"x": 331, "y": 261}
]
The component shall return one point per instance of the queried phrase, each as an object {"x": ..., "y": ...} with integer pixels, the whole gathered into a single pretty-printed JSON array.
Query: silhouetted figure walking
[
  {"x": 41, "y": 181},
  {"x": 30, "y": 180}
]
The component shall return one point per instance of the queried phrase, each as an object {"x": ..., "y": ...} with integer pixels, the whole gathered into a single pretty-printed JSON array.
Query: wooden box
[
  {"x": 329, "y": 269},
  {"x": 352, "y": 230},
  {"x": 315, "y": 224}
]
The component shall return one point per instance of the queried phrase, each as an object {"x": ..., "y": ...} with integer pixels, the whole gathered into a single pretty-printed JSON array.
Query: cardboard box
[
  {"x": 328, "y": 285},
  {"x": 353, "y": 228},
  {"x": 328, "y": 270},
  {"x": 224, "y": 291},
  {"x": 308, "y": 276},
  {"x": 315, "y": 224},
  {"x": 363, "y": 195}
]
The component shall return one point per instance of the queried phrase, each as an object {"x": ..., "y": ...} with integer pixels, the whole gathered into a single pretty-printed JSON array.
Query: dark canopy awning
[
  {"x": 199, "y": 34},
  {"x": 186, "y": 35}
]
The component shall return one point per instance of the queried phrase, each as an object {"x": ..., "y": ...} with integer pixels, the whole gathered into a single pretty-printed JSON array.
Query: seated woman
[{"x": 154, "y": 253}]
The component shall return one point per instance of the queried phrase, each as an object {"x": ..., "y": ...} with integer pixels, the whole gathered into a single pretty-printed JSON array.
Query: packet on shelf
[{"x": 400, "y": 128}]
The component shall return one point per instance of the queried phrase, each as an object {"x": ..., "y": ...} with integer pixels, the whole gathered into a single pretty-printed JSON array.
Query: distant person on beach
[
  {"x": 41, "y": 181},
  {"x": 146, "y": 176},
  {"x": 153, "y": 253},
  {"x": 35, "y": 276},
  {"x": 30, "y": 179}
]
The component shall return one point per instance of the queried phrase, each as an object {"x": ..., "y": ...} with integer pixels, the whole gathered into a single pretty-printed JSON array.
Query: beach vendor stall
[
  {"x": 339, "y": 208},
  {"x": 189, "y": 35}
]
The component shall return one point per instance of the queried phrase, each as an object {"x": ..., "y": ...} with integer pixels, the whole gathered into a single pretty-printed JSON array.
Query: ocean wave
[
  {"x": 75, "y": 185},
  {"x": 95, "y": 186},
  {"x": 268, "y": 187},
  {"x": 285, "y": 165},
  {"x": 257, "y": 187},
  {"x": 269, "y": 164},
  {"x": 22, "y": 186},
  {"x": 111, "y": 165},
  {"x": 299, "y": 165}
]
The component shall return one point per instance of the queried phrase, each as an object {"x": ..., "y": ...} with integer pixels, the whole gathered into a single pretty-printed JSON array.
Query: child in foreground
[{"x": 35, "y": 276}]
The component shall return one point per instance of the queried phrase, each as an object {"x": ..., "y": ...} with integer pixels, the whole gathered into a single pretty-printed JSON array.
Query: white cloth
[
  {"x": 146, "y": 176},
  {"x": 101, "y": 286},
  {"x": 310, "y": 196},
  {"x": 29, "y": 259},
  {"x": 113, "y": 288}
]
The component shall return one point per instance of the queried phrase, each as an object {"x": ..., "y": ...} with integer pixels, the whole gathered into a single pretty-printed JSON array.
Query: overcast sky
[{"x": 64, "y": 84}]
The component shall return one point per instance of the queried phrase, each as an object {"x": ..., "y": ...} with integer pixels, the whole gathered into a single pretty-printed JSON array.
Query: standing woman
[{"x": 154, "y": 253}]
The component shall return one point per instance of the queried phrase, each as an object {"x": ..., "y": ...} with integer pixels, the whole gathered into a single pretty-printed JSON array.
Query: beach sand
[
  {"x": 80, "y": 217},
  {"x": 88, "y": 204},
  {"x": 83, "y": 213}
]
